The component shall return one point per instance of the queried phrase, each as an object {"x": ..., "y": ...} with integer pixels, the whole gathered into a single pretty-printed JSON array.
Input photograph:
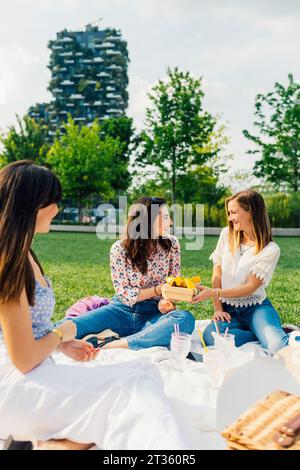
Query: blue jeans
[
  {"x": 259, "y": 322},
  {"x": 142, "y": 325}
]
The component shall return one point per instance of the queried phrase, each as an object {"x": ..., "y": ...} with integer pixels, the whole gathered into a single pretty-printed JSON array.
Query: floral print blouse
[{"x": 128, "y": 282}]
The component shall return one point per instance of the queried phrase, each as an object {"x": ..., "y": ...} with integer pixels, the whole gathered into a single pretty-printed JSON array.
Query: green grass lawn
[{"x": 78, "y": 265}]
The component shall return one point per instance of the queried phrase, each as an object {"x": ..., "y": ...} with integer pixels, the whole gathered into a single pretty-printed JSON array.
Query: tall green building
[{"x": 88, "y": 77}]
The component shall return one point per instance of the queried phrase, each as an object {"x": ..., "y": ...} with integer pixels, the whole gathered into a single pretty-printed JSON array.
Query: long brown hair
[
  {"x": 251, "y": 201},
  {"x": 24, "y": 189},
  {"x": 137, "y": 240}
]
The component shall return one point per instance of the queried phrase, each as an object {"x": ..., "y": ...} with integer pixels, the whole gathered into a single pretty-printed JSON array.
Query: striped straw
[{"x": 226, "y": 332}]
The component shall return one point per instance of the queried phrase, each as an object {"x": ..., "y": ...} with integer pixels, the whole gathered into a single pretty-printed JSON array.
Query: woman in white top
[{"x": 244, "y": 261}]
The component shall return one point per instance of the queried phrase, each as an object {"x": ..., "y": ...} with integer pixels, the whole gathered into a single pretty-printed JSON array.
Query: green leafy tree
[
  {"x": 149, "y": 187},
  {"x": 120, "y": 129},
  {"x": 178, "y": 132},
  {"x": 200, "y": 185},
  {"x": 277, "y": 118},
  {"x": 83, "y": 162},
  {"x": 26, "y": 140}
]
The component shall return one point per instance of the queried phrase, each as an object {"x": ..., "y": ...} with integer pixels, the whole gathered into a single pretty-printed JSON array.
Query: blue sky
[{"x": 240, "y": 48}]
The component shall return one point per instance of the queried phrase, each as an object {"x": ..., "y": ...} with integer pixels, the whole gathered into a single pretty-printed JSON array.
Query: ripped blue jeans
[
  {"x": 142, "y": 325},
  {"x": 259, "y": 322}
]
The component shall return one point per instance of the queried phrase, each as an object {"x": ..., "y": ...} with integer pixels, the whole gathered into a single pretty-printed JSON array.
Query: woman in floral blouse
[{"x": 140, "y": 263}]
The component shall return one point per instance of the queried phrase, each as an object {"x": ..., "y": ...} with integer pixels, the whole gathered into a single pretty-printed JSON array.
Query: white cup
[
  {"x": 213, "y": 362},
  {"x": 180, "y": 346},
  {"x": 220, "y": 340}
]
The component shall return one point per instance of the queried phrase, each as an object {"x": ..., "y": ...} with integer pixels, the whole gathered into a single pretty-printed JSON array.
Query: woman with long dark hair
[
  {"x": 140, "y": 263},
  {"x": 76, "y": 405},
  {"x": 244, "y": 261}
]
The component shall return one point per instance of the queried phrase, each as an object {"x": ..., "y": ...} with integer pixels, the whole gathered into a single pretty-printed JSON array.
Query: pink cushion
[{"x": 85, "y": 305}]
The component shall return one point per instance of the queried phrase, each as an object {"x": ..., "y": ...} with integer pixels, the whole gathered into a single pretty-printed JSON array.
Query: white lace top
[{"x": 236, "y": 268}]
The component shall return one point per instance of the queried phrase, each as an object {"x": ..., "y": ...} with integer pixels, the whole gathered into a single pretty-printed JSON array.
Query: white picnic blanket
[{"x": 191, "y": 392}]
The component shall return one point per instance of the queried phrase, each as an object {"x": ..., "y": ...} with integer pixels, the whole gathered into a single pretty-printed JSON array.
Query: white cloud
[
  {"x": 13, "y": 60},
  {"x": 46, "y": 4},
  {"x": 138, "y": 93},
  {"x": 113, "y": 3},
  {"x": 215, "y": 90},
  {"x": 171, "y": 10},
  {"x": 252, "y": 17},
  {"x": 3, "y": 92},
  {"x": 227, "y": 58},
  {"x": 21, "y": 83}
]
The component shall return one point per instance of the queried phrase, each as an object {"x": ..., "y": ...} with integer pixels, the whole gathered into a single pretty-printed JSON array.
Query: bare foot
[{"x": 61, "y": 444}]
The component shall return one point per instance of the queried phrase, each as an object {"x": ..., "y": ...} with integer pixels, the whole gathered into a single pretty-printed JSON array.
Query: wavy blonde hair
[{"x": 250, "y": 201}]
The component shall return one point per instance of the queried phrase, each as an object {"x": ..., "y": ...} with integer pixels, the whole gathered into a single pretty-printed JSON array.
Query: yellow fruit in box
[
  {"x": 183, "y": 283},
  {"x": 196, "y": 279},
  {"x": 188, "y": 283},
  {"x": 181, "y": 288}
]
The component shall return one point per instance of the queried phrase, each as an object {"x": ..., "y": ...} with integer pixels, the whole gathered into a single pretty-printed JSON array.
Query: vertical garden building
[{"x": 88, "y": 77}]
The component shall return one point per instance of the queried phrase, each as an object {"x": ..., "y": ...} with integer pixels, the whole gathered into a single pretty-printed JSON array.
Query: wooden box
[{"x": 179, "y": 293}]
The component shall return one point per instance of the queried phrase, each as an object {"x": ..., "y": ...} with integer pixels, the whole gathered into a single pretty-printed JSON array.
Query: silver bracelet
[{"x": 216, "y": 294}]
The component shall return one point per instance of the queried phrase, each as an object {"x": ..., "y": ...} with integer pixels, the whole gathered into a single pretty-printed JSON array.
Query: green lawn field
[{"x": 78, "y": 265}]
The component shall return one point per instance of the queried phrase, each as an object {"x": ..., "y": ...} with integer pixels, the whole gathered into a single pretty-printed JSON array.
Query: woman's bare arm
[
  {"x": 25, "y": 352},
  {"x": 217, "y": 284},
  {"x": 252, "y": 283},
  {"x": 150, "y": 292}
]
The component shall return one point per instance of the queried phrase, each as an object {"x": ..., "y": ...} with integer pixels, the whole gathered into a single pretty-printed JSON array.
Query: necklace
[{"x": 244, "y": 251}]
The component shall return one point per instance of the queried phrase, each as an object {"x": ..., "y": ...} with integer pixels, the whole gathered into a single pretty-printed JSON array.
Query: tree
[
  {"x": 149, "y": 187},
  {"x": 121, "y": 129},
  {"x": 27, "y": 140},
  {"x": 83, "y": 162},
  {"x": 201, "y": 186},
  {"x": 178, "y": 132},
  {"x": 278, "y": 121}
]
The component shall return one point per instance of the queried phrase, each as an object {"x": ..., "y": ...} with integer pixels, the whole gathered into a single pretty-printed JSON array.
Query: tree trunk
[
  {"x": 208, "y": 215},
  {"x": 79, "y": 207},
  {"x": 296, "y": 179},
  {"x": 173, "y": 177},
  {"x": 296, "y": 164}
]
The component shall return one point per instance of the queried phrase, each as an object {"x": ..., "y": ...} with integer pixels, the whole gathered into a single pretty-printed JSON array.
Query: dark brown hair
[
  {"x": 141, "y": 244},
  {"x": 24, "y": 189},
  {"x": 251, "y": 201}
]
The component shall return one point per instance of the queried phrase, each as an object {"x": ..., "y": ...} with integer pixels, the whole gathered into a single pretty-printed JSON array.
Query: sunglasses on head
[{"x": 155, "y": 200}]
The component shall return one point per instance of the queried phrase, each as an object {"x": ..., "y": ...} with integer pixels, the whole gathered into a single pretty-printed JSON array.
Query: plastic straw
[
  {"x": 216, "y": 326},
  {"x": 202, "y": 339},
  {"x": 226, "y": 332}
]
